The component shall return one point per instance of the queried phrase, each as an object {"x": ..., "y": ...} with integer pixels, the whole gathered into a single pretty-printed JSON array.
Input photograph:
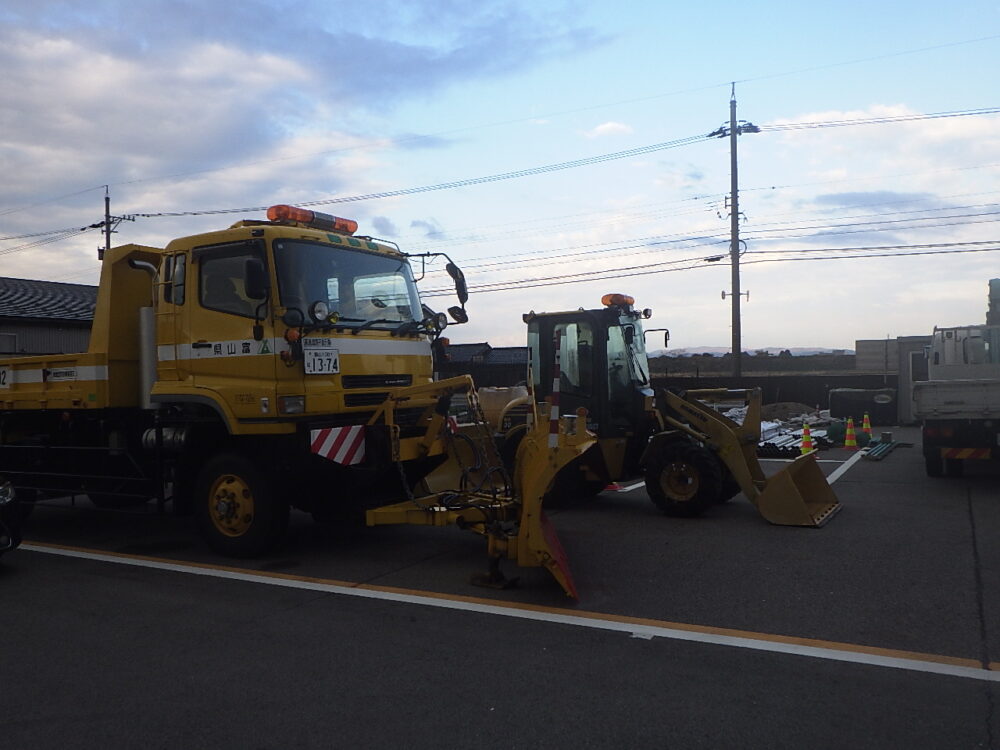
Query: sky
[{"x": 556, "y": 150}]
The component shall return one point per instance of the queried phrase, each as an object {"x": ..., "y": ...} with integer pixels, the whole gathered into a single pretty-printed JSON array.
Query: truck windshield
[{"x": 361, "y": 287}]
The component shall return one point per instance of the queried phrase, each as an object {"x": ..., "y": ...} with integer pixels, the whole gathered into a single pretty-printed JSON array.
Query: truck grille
[
  {"x": 364, "y": 399},
  {"x": 376, "y": 381}
]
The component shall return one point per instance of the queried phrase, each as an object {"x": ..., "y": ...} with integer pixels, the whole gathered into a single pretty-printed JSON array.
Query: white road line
[
  {"x": 631, "y": 487},
  {"x": 633, "y": 629},
  {"x": 838, "y": 473}
]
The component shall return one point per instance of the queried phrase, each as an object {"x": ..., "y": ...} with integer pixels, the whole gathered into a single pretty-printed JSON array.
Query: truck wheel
[
  {"x": 237, "y": 509},
  {"x": 934, "y": 464},
  {"x": 683, "y": 479},
  {"x": 953, "y": 467}
]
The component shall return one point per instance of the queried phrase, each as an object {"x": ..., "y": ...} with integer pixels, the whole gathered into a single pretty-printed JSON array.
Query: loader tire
[
  {"x": 683, "y": 479},
  {"x": 238, "y": 510},
  {"x": 730, "y": 487}
]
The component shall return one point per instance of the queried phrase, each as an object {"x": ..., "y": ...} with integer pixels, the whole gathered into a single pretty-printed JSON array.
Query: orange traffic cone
[
  {"x": 850, "y": 439},
  {"x": 866, "y": 426},
  {"x": 807, "y": 441}
]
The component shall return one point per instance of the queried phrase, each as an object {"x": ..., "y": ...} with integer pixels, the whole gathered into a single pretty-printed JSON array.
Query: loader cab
[{"x": 602, "y": 362}]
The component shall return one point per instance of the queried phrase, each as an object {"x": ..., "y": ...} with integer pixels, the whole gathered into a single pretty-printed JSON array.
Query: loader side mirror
[
  {"x": 255, "y": 279},
  {"x": 458, "y": 314},
  {"x": 460, "y": 286}
]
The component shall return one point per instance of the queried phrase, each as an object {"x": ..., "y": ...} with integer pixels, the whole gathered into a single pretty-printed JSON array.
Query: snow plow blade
[
  {"x": 798, "y": 495},
  {"x": 474, "y": 490},
  {"x": 540, "y": 457}
]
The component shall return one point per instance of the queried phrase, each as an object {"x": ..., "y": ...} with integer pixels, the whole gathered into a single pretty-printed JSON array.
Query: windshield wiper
[{"x": 368, "y": 324}]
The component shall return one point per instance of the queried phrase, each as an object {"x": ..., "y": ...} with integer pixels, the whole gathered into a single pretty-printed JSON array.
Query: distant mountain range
[{"x": 718, "y": 351}]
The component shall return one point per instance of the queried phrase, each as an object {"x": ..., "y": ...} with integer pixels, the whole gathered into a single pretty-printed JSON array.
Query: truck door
[{"x": 225, "y": 357}]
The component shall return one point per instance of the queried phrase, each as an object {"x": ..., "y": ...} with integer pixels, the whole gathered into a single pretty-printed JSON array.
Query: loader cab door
[
  {"x": 580, "y": 357},
  {"x": 226, "y": 359}
]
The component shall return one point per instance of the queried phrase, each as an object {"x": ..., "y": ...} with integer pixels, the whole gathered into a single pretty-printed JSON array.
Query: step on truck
[{"x": 276, "y": 364}]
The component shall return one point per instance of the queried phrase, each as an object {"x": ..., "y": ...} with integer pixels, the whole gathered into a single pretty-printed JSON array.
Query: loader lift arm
[{"x": 798, "y": 495}]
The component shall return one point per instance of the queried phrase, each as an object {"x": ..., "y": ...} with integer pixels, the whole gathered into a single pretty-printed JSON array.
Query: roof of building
[
  {"x": 483, "y": 353},
  {"x": 466, "y": 352},
  {"x": 46, "y": 300}
]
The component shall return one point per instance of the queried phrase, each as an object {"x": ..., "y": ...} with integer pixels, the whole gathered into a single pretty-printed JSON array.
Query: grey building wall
[
  {"x": 876, "y": 355},
  {"x": 51, "y": 337}
]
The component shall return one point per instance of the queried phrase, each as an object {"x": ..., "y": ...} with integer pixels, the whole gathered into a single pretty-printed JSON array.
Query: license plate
[{"x": 321, "y": 361}]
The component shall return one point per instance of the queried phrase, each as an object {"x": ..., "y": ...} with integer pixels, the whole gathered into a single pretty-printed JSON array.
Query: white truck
[{"x": 959, "y": 404}]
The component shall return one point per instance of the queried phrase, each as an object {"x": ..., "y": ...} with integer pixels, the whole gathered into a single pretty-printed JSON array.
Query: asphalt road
[{"x": 353, "y": 637}]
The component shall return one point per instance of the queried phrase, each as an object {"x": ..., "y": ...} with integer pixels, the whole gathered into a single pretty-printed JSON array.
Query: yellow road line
[{"x": 635, "y": 626}]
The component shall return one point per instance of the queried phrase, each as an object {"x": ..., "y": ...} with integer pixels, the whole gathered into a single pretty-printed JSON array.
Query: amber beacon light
[{"x": 313, "y": 219}]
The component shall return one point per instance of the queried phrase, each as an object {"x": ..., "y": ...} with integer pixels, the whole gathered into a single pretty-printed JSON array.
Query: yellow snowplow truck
[
  {"x": 274, "y": 364},
  {"x": 690, "y": 454}
]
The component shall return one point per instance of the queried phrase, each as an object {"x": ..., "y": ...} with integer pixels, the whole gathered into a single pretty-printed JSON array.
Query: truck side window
[
  {"x": 173, "y": 272},
  {"x": 180, "y": 269},
  {"x": 221, "y": 281}
]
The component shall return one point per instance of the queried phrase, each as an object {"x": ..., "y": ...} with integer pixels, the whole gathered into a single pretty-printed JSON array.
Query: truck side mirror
[
  {"x": 666, "y": 339},
  {"x": 460, "y": 287},
  {"x": 256, "y": 282}
]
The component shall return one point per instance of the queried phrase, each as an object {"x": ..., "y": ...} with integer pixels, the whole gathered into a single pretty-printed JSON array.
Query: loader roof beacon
[{"x": 274, "y": 364}]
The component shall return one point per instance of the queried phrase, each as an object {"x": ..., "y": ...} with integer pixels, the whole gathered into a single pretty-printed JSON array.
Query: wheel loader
[{"x": 690, "y": 455}]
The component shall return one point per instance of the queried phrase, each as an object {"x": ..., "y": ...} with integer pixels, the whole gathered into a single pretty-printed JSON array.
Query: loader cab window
[
  {"x": 576, "y": 357},
  {"x": 628, "y": 367},
  {"x": 221, "y": 280}
]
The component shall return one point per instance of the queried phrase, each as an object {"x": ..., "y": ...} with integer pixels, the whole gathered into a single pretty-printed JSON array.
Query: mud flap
[{"x": 798, "y": 495}]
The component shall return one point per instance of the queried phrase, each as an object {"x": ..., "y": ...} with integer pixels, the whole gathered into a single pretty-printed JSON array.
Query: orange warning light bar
[
  {"x": 313, "y": 219},
  {"x": 622, "y": 300}
]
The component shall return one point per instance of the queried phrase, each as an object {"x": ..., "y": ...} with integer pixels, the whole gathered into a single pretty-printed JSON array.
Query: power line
[
  {"x": 693, "y": 263},
  {"x": 879, "y": 120}
]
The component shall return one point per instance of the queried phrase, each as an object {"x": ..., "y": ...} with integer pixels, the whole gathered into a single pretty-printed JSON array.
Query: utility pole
[
  {"x": 733, "y": 131},
  {"x": 109, "y": 224},
  {"x": 107, "y": 220}
]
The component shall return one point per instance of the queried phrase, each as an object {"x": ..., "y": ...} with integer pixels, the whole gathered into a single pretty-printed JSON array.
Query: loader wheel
[
  {"x": 730, "y": 487},
  {"x": 238, "y": 511},
  {"x": 683, "y": 479}
]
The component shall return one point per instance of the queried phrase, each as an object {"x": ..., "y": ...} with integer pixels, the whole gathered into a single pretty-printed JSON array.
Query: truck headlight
[
  {"x": 291, "y": 404},
  {"x": 6, "y": 493}
]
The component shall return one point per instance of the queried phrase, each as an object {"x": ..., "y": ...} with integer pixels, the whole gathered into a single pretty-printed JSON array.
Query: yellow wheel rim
[
  {"x": 230, "y": 505},
  {"x": 679, "y": 482}
]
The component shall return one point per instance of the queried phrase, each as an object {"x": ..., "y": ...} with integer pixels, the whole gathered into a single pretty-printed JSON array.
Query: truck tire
[
  {"x": 953, "y": 467},
  {"x": 683, "y": 479},
  {"x": 934, "y": 464},
  {"x": 238, "y": 510}
]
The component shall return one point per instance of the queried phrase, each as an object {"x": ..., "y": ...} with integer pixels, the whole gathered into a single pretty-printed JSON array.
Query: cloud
[
  {"x": 608, "y": 128},
  {"x": 431, "y": 228},
  {"x": 384, "y": 226}
]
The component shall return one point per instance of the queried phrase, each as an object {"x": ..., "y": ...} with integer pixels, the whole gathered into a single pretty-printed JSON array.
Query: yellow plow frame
[
  {"x": 484, "y": 498},
  {"x": 798, "y": 495}
]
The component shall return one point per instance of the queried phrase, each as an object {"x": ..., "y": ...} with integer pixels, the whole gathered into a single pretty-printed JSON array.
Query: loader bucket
[{"x": 798, "y": 495}]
